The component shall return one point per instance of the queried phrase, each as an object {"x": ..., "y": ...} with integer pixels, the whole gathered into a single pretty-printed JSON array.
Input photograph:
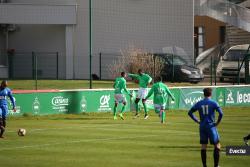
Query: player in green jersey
[
  {"x": 161, "y": 93},
  {"x": 120, "y": 88},
  {"x": 144, "y": 80}
]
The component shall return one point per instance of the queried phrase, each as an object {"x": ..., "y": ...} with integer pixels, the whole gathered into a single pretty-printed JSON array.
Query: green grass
[
  {"x": 76, "y": 84},
  {"x": 95, "y": 140}
]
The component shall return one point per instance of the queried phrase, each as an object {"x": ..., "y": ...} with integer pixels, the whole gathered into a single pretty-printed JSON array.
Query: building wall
[
  {"x": 212, "y": 30},
  {"x": 40, "y": 38},
  {"x": 149, "y": 25}
]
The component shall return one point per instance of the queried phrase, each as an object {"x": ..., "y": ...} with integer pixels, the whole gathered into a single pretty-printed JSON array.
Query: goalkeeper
[{"x": 161, "y": 93}]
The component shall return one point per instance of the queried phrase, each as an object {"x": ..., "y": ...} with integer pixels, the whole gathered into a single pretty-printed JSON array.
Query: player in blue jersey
[
  {"x": 4, "y": 93},
  {"x": 208, "y": 130}
]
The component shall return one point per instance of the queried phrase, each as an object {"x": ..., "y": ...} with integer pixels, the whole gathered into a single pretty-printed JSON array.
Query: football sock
[
  {"x": 136, "y": 107},
  {"x": 145, "y": 108},
  {"x": 2, "y": 131},
  {"x": 216, "y": 157},
  {"x": 123, "y": 108},
  {"x": 163, "y": 117},
  {"x": 204, "y": 157},
  {"x": 115, "y": 110},
  {"x": 4, "y": 123}
]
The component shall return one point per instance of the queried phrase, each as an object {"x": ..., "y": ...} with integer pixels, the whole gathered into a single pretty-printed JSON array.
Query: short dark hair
[
  {"x": 207, "y": 92},
  {"x": 123, "y": 74},
  {"x": 140, "y": 71},
  {"x": 158, "y": 79},
  {"x": 4, "y": 83}
]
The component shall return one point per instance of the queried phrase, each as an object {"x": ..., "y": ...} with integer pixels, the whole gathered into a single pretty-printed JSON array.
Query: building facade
[{"x": 48, "y": 26}]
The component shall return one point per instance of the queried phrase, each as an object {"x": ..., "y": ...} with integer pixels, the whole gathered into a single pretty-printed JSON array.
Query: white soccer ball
[{"x": 21, "y": 132}]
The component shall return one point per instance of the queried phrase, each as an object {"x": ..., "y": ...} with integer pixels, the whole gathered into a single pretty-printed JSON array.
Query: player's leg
[
  {"x": 137, "y": 107},
  {"x": 215, "y": 140},
  {"x": 204, "y": 155},
  {"x": 2, "y": 129},
  {"x": 145, "y": 108},
  {"x": 123, "y": 109},
  {"x": 246, "y": 138},
  {"x": 203, "y": 142},
  {"x": 115, "y": 110},
  {"x": 163, "y": 113},
  {"x": 4, "y": 114},
  {"x": 216, "y": 154}
]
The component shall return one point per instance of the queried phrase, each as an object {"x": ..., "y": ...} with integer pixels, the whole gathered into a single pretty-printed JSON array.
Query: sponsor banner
[
  {"x": 103, "y": 100},
  {"x": 65, "y": 102},
  {"x": 237, "y": 150},
  {"x": 237, "y": 96},
  {"x": 188, "y": 97}
]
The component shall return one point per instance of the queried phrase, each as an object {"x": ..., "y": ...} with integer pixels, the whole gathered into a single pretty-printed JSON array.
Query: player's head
[
  {"x": 123, "y": 74},
  {"x": 207, "y": 92},
  {"x": 158, "y": 79},
  {"x": 140, "y": 72},
  {"x": 4, "y": 84}
]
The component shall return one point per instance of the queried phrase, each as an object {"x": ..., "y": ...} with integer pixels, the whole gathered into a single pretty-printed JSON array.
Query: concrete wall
[
  {"x": 117, "y": 24},
  {"x": 40, "y": 38}
]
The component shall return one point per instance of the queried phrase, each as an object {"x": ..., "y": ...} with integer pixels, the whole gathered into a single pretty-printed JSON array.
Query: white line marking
[{"x": 76, "y": 141}]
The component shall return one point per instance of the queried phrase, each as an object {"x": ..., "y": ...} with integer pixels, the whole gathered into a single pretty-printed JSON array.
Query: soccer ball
[{"x": 21, "y": 132}]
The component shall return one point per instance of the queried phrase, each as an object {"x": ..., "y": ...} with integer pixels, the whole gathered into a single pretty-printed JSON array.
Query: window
[{"x": 201, "y": 39}]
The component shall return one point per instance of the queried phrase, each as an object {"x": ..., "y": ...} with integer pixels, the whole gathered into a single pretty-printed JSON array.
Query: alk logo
[
  {"x": 104, "y": 101},
  {"x": 230, "y": 99}
]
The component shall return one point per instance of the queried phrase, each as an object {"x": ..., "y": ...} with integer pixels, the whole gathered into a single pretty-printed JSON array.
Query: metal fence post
[
  {"x": 100, "y": 65},
  {"x": 238, "y": 77},
  {"x": 154, "y": 67},
  {"x": 57, "y": 65},
  {"x": 172, "y": 67},
  {"x": 34, "y": 64},
  {"x": 211, "y": 71},
  {"x": 215, "y": 83}
]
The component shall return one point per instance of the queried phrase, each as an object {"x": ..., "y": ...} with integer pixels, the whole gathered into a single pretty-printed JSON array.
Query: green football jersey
[
  {"x": 120, "y": 86},
  {"x": 161, "y": 93},
  {"x": 143, "y": 79}
]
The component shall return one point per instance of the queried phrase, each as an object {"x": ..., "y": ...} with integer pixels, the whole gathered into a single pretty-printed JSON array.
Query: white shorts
[
  {"x": 142, "y": 93},
  {"x": 120, "y": 98},
  {"x": 159, "y": 107}
]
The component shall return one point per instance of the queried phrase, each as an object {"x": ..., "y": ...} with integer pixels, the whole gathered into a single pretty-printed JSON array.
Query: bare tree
[{"x": 134, "y": 59}]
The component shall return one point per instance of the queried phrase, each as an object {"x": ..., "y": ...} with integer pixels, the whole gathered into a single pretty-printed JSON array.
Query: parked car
[
  {"x": 228, "y": 66},
  {"x": 177, "y": 69}
]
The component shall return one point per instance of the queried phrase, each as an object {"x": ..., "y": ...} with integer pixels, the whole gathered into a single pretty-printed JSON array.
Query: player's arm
[
  {"x": 219, "y": 110},
  {"x": 114, "y": 85},
  {"x": 150, "y": 92},
  {"x": 12, "y": 99},
  {"x": 125, "y": 89},
  {"x": 192, "y": 116},
  {"x": 149, "y": 79},
  {"x": 134, "y": 76},
  {"x": 169, "y": 93}
]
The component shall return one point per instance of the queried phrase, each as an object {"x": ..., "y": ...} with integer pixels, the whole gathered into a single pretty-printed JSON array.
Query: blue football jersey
[
  {"x": 206, "y": 108},
  {"x": 4, "y": 93}
]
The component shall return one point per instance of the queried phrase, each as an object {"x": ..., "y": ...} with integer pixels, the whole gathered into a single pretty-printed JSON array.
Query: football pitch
[{"x": 96, "y": 140}]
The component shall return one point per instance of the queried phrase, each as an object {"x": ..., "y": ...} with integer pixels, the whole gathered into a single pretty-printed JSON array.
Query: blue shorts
[
  {"x": 210, "y": 133},
  {"x": 3, "y": 111}
]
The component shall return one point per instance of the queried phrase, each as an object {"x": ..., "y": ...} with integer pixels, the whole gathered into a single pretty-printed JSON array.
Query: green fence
[{"x": 74, "y": 102}]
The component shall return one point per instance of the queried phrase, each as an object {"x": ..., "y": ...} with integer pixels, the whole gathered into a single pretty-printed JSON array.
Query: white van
[{"x": 230, "y": 61}]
